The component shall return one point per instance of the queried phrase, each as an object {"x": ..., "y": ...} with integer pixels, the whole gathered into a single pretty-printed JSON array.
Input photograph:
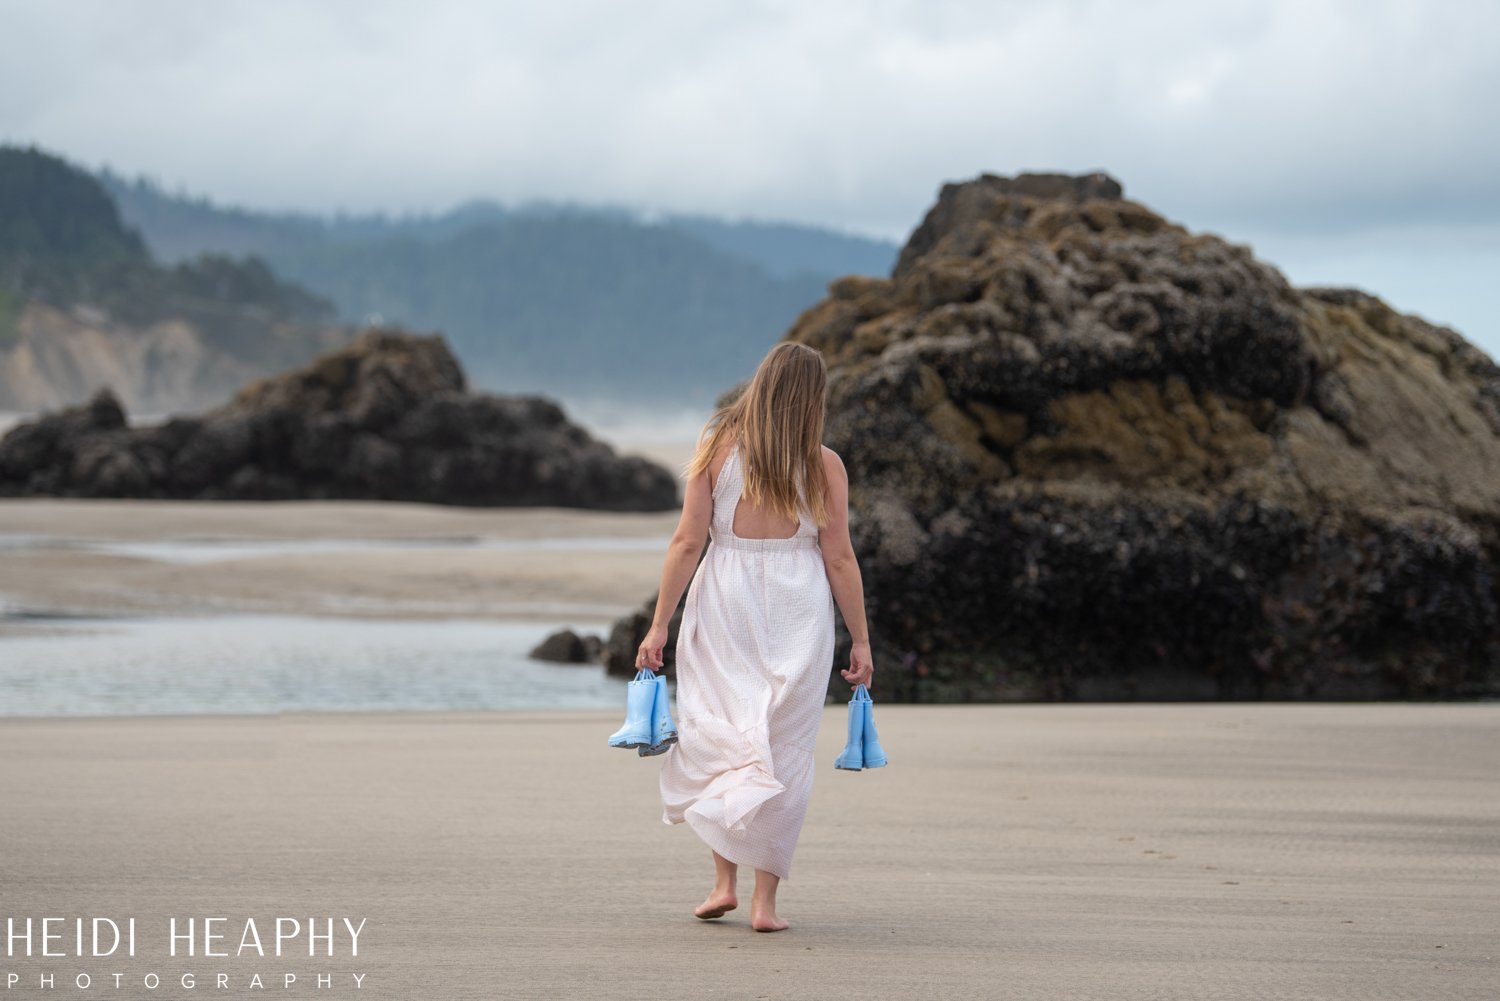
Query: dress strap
[{"x": 727, "y": 492}]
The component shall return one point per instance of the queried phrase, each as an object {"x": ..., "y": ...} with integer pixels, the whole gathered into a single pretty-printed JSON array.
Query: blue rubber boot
[
  {"x": 874, "y": 753},
  {"x": 853, "y": 756},
  {"x": 639, "y": 695},
  {"x": 663, "y": 730}
]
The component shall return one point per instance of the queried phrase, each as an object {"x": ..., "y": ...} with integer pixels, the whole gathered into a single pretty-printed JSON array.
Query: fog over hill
[
  {"x": 83, "y": 303},
  {"x": 587, "y": 303}
]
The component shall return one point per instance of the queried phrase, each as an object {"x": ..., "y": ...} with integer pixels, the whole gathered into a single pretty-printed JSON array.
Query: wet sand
[
  {"x": 1049, "y": 852},
  {"x": 426, "y": 561},
  {"x": 66, "y": 557}
]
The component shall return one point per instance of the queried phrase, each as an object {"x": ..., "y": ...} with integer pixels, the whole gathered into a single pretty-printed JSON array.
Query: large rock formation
[
  {"x": 1094, "y": 455},
  {"x": 387, "y": 418}
]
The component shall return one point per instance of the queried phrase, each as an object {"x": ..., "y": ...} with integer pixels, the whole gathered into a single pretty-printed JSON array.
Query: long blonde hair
[{"x": 778, "y": 423}]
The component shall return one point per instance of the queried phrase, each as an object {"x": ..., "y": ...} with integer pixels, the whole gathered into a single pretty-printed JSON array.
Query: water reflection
[{"x": 279, "y": 663}]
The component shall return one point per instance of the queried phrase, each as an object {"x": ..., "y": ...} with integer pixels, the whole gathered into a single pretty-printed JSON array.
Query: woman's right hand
[
  {"x": 651, "y": 650},
  {"x": 861, "y": 667}
]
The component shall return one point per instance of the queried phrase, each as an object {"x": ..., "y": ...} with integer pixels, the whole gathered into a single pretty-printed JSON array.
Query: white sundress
[{"x": 754, "y": 654}]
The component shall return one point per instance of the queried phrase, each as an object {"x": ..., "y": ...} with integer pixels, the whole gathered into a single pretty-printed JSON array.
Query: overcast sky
[{"x": 1348, "y": 142}]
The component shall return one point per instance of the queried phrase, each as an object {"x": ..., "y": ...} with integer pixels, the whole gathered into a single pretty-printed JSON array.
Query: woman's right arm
[{"x": 843, "y": 570}]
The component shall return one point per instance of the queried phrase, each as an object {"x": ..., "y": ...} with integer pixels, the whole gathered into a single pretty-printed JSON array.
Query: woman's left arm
[{"x": 678, "y": 568}]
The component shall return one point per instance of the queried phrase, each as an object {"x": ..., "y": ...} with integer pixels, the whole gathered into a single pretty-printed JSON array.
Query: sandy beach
[
  {"x": 158, "y": 607},
  {"x": 102, "y": 557},
  {"x": 66, "y": 557},
  {"x": 1051, "y": 852},
  {"x": 1047, "y": 852}
]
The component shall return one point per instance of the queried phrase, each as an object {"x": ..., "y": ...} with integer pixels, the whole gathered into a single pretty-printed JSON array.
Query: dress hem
[{"x": 710, "y": 833}]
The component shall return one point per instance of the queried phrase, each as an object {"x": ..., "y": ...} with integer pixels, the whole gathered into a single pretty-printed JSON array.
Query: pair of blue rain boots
[
  {"x": 648, "y": 721},
  {"x": 863, "y": 749}
]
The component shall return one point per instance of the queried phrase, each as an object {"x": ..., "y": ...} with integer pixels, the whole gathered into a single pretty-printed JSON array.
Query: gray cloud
[{"x": 1327, "y": 131}]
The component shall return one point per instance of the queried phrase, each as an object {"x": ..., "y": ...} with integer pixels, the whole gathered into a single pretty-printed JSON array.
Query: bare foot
[
  {"x": 761, "y": 921},
  {"x": 717, "y": 905}
]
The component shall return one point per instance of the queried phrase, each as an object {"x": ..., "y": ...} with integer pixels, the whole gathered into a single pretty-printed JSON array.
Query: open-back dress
[{"x": 754, "y": 654}]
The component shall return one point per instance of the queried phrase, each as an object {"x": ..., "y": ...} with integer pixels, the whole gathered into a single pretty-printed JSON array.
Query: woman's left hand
[
  {"x": 650, "y": 653},
  {"x": 861, "y": 666}
]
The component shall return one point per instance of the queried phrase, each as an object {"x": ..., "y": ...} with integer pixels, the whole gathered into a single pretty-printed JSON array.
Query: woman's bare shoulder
[
  {"x": 720, "y": 456},
  {"x": 831, "y": 460},
  {"x": 726, "y": 445}
]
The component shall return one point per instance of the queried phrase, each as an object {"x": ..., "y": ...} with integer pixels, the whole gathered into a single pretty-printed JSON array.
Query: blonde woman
[{"x": 756, "y": 641}]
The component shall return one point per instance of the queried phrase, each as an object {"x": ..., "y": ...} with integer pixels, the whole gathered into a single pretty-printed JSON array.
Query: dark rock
[
  {"x": 567, "y": 647},
  {"x": 1096, "y": 456},
  {"x": 964, "y": 211},
  {"x": 46, "y": 451},
  {"x": 624, "y": 641},
  {"x": 386, "y": 418},
  {"x": 108, "y": 468}
]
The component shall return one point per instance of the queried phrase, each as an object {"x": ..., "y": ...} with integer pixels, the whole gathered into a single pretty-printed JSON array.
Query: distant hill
[
  {"x": 571, "y": 300},
  {"x": 83, "y": 303},
  {"x": 787, "y": 249},
  {"x": 59, "y": 230}
]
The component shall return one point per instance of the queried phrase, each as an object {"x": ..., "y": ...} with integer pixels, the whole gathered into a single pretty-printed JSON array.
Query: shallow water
[{"x": 269, "y": 664}]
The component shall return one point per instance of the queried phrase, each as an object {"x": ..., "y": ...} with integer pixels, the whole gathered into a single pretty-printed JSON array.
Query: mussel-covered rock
[{"x": 1094, "y": 455}]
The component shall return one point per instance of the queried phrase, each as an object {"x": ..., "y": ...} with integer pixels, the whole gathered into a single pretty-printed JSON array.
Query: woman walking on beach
[{"x": 756, "y": 639}]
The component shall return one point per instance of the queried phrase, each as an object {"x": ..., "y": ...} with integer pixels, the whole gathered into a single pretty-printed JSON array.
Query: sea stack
[
  {"x": 387, "y": 418},
  {"x": 1094, "y": 455}
]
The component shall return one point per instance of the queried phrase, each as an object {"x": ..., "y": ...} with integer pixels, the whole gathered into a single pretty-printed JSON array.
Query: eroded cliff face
[
  {"x": 1095, "y": 455},
  {"x": 60, "y": 357}
]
